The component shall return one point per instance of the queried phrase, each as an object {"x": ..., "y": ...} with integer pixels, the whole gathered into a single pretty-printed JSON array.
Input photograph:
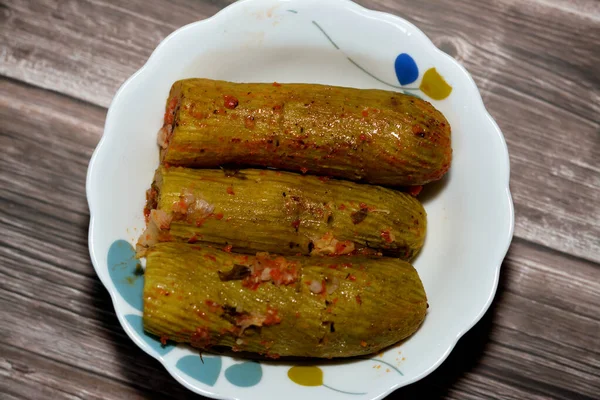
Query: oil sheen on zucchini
[{"x": 375, "y": 136}]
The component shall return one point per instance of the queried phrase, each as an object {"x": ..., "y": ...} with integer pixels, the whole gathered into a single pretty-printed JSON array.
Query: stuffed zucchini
[{"x": 280, "y": 306}]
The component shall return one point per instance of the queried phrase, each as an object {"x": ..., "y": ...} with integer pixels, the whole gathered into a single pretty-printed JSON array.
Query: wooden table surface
[{"x": 537, "y": 64}]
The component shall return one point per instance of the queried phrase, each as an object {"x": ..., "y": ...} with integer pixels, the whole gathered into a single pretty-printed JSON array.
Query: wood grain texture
[{"x": 536, "y": 63}]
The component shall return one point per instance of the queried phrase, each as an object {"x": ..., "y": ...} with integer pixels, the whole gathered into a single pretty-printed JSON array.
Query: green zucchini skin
[
  {"x": 285, "y": 213},
  {"x": 374, "y": 303},
  {"x": 374, "y": 136}
]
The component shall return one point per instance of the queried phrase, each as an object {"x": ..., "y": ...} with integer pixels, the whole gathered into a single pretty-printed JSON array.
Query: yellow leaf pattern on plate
[
  {"x": 306, "y": 376},
  {"x": 434, "y": 85}
]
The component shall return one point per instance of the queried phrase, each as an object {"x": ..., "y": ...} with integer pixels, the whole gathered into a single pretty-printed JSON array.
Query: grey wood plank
[
  {"x": 88, "y": 48},
  {"x": 534, "y": 61},
  {"x": 25, "y": 375}
]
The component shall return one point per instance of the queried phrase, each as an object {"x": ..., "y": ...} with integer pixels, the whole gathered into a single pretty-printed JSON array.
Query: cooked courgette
[
  {"x": 281, "y": 212},
  {"x": 276, "y": 306},
  {"x": 374, "y": 136}
]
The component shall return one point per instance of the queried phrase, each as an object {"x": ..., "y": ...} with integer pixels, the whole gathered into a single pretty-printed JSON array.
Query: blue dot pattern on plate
[
  {"x": 207, "y": 372},
  {"x": 135, "y": 321},
  {"x": 406, "y": 69},
  {"x": 245, "y": 374},
  {"x": 121, "y": 267}
]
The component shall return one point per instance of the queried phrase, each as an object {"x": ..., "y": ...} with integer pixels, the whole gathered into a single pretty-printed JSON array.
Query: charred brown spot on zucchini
[
  {"x": 359, "y": 216},
  {"x": 238, "y": 272}
]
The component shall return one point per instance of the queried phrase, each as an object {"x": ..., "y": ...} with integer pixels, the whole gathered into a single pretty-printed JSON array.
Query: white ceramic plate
[{"x": 336, "y": 42}]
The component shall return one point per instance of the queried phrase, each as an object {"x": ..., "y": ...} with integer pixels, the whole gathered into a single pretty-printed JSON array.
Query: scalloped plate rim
[{"x": 364, "y": 12}]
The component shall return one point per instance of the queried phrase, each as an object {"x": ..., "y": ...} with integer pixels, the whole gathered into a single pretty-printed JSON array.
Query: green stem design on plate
[
  {"x": 326, "y": 35},
  {"x": 363, "y": 69},
  {"x": 342, "y": 391},
  {"x": 376, "y": 78}
]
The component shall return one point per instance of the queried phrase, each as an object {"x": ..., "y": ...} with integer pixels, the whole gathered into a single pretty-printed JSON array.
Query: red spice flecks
[
  {"x": 163, "y": 339},
  {"x": 250, "y": 284},
  {"x": 228, "y": 248},
  {"x": 236, "y": 140},
  {"x": 242, "y": 259},
  {"x": 277, "y": 270},
  {"x": 297, "y": 314},
  {"x": 147, "y": 214},
  {"x": 387, "y": 235},
  {"x": 210, "y": 257},
  {"x": 363, "y": 137},
  {"x": 342, "y": 207},
  {"x": 323, "y": 178},
  {"x": 324, "y": 286},
  {"x": 358, "y": 299},
  {"x": 230, "y": 101},
  {"x": 218, "y": 216},
  {"x": 304, "y": 170},
  {"x": 212, "y": 306},
  {"x": 200, "y": 338},
  {"x": 180, "y": 206},
  {"x": 274, "y": 356},
  {"x": 201, "y": 314},
  {"x": 277, "y": 107},
  {"x": 340, "y": 247},
  {"x": 418, "y": 130},
  {"x": 276, "y": 84},
  {"x": 365, "y": 113},
  {"x": 335, "y": 300},
  {"x": 170, "y": 111},
  {"x": 414, "y": 190},
  {"x": 333, "y": 266},
  {"x": 249, "y": 122},
  {"x": 363, "y": 343},
  {"x": 197, "y": 114},
  {"x": 296, "y": 224},
  {"x": 351, "y": 277},
  {"x": 272, "y": 317},
  {"x": 193, "y": 239},
  {"x": 230, "y": 190}
]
